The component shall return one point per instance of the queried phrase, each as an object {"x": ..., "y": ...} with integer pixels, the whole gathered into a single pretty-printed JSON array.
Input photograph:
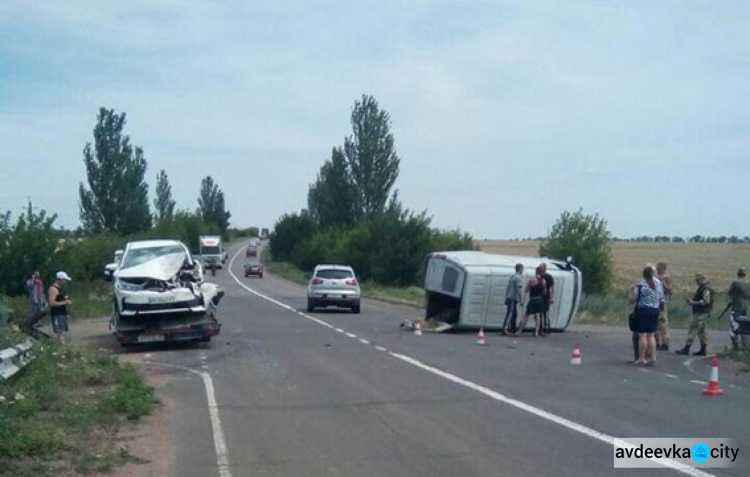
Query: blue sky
[{"x": 504, "y": 113}]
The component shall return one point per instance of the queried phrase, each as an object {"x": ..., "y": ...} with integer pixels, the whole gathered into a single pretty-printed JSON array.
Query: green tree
[
  {"x": 290, "y": 231},
  {"x": 371, "y": 156},
  {"x": 211, "y": 206},
  {"x": 332, "y": 199},
  {"x": 163, "y": 204},
  {"x": 587, "y": 240},
  {"x": 117, "y": 197}
]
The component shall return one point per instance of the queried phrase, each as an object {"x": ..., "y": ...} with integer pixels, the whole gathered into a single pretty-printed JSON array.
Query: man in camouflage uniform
[
  {"x": 662, "y": 333},
  {"x": 739, "y": 302},
  {"x": 701, "y": 302}
]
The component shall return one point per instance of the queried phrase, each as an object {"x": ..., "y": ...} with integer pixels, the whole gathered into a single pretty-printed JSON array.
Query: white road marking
[
  {"x": 364, "y": 341},
  {"x": 351, "y": 335},
  {"x": 339, "y": 330},
  {"x": 587, "y": 431},
  {"x": 695, "y": 381},
  {"x": 670, "y": 375},
  {"x": 220, "y": 443}
]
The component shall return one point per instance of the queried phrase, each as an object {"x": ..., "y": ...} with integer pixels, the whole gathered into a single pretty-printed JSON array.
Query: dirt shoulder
[{"x": 150, "y": 441}]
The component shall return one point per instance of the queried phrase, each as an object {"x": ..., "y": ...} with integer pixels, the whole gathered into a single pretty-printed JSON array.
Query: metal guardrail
[{"x": 15, "y": 358}]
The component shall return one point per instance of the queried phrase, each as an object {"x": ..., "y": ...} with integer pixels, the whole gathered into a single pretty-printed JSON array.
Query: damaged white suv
[{"x": 158, "y": 277}]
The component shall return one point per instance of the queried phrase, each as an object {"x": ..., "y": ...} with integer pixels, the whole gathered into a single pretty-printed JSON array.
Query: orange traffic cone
[
  {"x": 713, "y": 388},
  {"x": 480, "y": 337},
  {"x": 417, "y": 329},
  {"x": 575, "y": 358}
]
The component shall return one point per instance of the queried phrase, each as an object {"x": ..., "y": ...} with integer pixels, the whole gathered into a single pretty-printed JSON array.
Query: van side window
[{"x": 450, "y": 279}]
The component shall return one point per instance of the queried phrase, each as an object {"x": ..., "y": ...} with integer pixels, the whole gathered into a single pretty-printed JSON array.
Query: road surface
[{"x": 332, "y": 393}]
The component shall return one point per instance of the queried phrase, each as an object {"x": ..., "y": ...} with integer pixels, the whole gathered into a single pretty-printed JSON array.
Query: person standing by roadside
[
  {"x": 37, "y": 301},
  {"x": 535, "y": 288},
  {"x": 58, "y": 306},
  {"x": 549, "y": 297},
  {"x": 702, "y": 302},
  {"x": 646, "y": 296},
  {"x": 739, "y": 302},
  {"x": 660, "y": 293},
  {"x": 513, "y": 296},
  {"x": 662, "y": 333}
]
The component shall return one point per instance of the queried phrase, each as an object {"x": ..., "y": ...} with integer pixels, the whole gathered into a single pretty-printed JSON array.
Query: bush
[
  {"x": 182, "y": 226},
  {"x": 289, "y": 232},
  {"x": 84, "y": 258},
  {"x": 586, "y": 239},
  {"x": 388, "y": 248}
]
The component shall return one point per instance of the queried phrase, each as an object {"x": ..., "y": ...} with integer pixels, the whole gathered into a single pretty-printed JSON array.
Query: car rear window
[{"x": 334, "y": 274}]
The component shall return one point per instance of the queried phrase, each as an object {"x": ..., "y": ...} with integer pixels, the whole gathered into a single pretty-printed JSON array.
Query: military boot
[
  {"x": 701, "y": 352},
  {"x": 685, "y": 350}
]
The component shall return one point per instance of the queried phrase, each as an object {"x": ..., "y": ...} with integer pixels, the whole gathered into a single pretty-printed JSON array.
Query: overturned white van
[{"x": 466, "y": 289}]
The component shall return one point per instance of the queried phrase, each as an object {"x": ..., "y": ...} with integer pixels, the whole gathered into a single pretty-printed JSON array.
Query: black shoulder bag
[{"x": 632, "y": 316}]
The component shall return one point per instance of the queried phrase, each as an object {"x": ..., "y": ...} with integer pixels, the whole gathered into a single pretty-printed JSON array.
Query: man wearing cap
[
  {"x": 58, "y": 306},
  {"x": 739, "y": 302},
  {"x": 701, "y": 302}
]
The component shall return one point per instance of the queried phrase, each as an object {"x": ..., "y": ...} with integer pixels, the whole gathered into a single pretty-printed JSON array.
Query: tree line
[{"x": 354, "y": 215}]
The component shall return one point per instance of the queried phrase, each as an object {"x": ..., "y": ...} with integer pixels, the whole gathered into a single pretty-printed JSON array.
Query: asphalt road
[{"x": 337, "y": 394}]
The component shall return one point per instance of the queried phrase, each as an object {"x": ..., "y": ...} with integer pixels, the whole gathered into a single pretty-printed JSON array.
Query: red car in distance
[{"x": 254, "y": 268}]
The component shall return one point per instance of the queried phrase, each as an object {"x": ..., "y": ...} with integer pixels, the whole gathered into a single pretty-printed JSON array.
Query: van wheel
[{"x": 310, "y": 306}]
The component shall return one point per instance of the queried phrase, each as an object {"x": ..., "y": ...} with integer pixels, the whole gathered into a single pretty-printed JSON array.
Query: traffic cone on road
[
  {"x": 713, "y": 388},
  {"x": 480, "y": 336},
  {"x": 417, "y": 329},
  {"x": 575, "y": 358}
]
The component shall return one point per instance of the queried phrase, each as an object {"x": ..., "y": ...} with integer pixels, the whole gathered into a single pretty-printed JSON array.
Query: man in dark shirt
[
  {"x": 549, "y": 296},
  {"x": 739, "y": 302}
]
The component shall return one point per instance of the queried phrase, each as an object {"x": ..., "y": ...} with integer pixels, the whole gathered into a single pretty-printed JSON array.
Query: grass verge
[
  {"x": 60, "y": 415},
  {"x": 613, "y": 309},
  {"x": 90, "y": 300}
]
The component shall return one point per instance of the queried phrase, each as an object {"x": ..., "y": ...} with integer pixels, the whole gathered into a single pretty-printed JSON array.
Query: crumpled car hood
[{"x": 163, "y": 268}]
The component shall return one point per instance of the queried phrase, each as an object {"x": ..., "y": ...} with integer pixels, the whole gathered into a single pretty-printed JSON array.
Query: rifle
[{"x": 726, "y": 308}]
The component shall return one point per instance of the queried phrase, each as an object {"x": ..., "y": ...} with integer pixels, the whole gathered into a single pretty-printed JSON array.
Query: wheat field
[{"x": 718, "y": 261}]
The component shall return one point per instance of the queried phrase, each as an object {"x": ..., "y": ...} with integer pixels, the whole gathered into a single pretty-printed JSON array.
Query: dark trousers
[
  {"x": 545, "y": 318},
  {"x": 511, "y": 312}
]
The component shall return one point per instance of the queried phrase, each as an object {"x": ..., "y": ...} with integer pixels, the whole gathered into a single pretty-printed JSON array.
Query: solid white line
[
  {"x": 600, "y": 436},
  {"x": 587, "y": 431},
  {"x": 220, "y": 443}
]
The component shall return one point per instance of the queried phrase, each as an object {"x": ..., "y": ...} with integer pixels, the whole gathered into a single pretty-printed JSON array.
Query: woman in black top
[{"x": 535, "y": 288}]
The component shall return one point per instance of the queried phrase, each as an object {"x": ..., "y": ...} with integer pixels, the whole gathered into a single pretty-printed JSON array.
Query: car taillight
[
  {"x": 316, "y": 281},
  {"x": 351, "y": 281}
]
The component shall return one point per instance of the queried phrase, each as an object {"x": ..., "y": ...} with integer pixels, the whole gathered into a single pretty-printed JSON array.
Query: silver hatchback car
[{"x": 333, "y": 285}]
